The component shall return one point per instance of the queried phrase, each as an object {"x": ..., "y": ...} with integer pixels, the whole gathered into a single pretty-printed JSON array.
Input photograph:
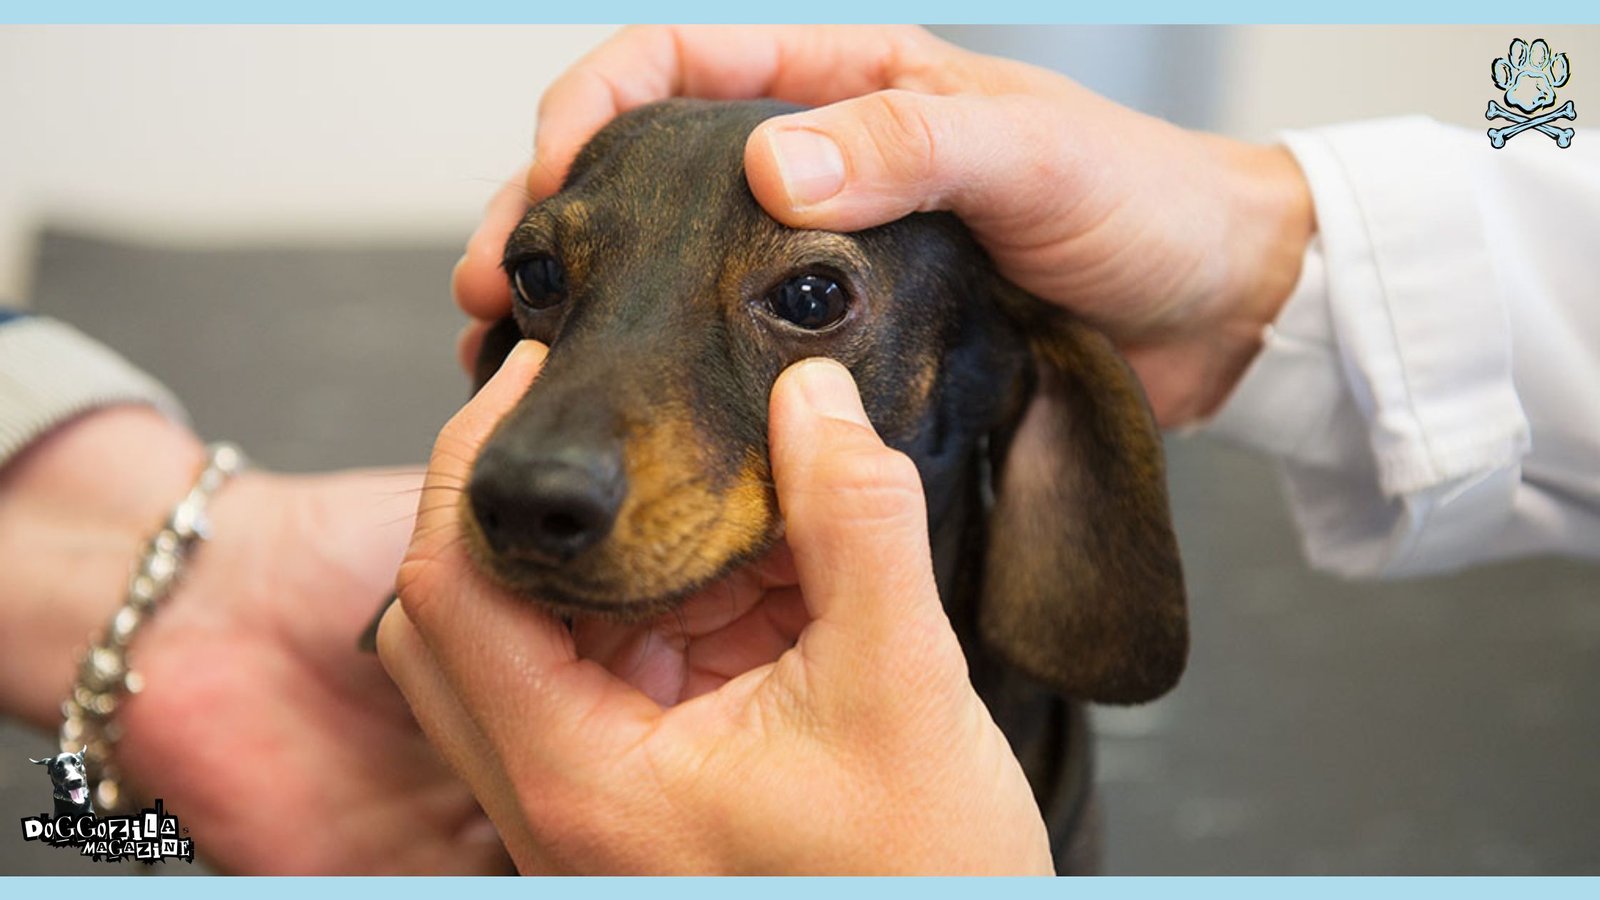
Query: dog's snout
[{"x": 547, "y": 507}]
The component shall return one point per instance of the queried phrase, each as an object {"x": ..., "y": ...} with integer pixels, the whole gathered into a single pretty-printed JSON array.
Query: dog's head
[
  {"x": 635, "y": 470},
  {"x": 68, "y": 779}
]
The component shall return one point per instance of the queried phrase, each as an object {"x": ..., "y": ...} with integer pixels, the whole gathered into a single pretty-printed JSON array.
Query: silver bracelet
[{"x": 103, "y": 673}]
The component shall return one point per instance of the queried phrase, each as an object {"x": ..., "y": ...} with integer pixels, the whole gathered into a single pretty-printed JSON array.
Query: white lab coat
[{"x": 1432, "y": 387}]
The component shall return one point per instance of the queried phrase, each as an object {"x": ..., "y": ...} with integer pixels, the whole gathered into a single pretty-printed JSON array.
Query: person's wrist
[
  {"x": 1275, "y": 215},
  {"x": 1270, "y": 223},
  {"x": 222, "y": 583},
  {"x": 74, "y": 509}
]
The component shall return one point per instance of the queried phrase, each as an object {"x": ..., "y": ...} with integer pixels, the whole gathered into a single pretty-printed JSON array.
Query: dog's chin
[{"x": 618, "y": 598}]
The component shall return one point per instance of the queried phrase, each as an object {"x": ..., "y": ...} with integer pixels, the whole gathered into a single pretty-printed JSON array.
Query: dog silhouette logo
[
  {"x": 150, "y": 835},
  {"x": 69, "y": 783},
  {"x": 1528, "y": 75}
]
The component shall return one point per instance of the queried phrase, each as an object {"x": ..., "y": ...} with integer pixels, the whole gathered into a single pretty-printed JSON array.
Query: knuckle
[
  {"x": 1034, "y": 123},
  {"x": 918, "y": 60},
  {"x": 569, "y": 826},
  {"x": 902, "y": 135},
  {"x": 548, "y": 101},
  {"x": 879, "y": 484},
  {"x": 412, "y": 585},
  {"x": 910, "y": 37},
  {"x": 456, "y": 448},
  {"x": 556, "y": 96}
]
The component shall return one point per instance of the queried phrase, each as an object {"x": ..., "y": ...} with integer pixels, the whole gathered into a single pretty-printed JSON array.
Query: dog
[
  {"x": 635, "y": 469},
  {"x": 69, "y": 783}
]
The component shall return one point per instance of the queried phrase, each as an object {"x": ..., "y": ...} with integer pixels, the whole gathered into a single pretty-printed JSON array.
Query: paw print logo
[{"x": 1529, "y": 75}]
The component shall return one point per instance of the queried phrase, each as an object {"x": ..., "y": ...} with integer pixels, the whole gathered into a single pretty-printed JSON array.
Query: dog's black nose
[{"x": 549, "y": 507}]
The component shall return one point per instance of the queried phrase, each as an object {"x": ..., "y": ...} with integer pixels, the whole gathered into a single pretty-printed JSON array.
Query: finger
[
  {"x": 437, "y": 583},
  {"x": 873, "y": 159},
  {"x": 469, "y": 342},
  {"x": 479, "y": 285},
  {"x": 450, "y": 467},
  {"x": 853, "y": 510},
  {"x": 802, "y": 64},
  {"x": 451, "y": 731},
  {"x": 512, "y": 666}
]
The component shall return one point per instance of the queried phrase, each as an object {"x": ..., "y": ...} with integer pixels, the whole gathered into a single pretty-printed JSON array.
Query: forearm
[{"x": 74, "y": 508}]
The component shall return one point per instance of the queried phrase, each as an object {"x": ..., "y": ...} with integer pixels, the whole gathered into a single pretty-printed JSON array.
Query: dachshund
[{"x": 635, "y": 469}]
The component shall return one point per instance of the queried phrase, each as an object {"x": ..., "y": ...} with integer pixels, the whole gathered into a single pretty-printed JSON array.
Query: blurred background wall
[
  {"x": 265, "y": 218},
  {"x": 287, "y": 135},
  {"x": 354, "y": 134}
]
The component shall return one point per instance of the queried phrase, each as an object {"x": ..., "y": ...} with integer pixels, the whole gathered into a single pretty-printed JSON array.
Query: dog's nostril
[
  {"x": 561, "y": 526},
  {"x": 569, "y": 515}
]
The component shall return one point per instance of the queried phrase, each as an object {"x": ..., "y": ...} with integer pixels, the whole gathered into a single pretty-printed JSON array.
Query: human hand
[
  {"x": 281, "y": 748},
  {"x": 259, "y": 717},
  {"x": 811, "y": 714},
  {"x": 1180, "y": 245}
]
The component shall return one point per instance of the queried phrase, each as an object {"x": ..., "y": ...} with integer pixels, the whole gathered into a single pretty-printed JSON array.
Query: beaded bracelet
[{"x": 103, "y": 674}]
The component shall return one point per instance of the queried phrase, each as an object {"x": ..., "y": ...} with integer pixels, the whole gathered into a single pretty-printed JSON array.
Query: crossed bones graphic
[{"x": 1498, "y": 136}]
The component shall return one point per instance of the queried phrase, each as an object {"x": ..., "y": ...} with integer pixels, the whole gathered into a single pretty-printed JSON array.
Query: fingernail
[
  {"x": 810, "y": 164},
  {"x": 830, "y": 391},
  {"x": 528, "y": 352}
]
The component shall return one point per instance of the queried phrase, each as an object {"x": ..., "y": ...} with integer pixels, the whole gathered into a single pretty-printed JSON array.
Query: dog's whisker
[
  {"x": 419, "y": 511},
  {"x": 430, "y": 532},
  {"x": 683, "y": 633},
  {"x": 422, "y": 489},
  {"x": 458, "y": 540},
  {"x": 454, "y": 457},
  {"x": 638, "y": 658},
  {"x": 428, "y": 510}
]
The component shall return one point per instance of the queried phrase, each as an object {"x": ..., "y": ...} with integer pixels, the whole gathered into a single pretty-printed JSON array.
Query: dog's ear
[
  {"x": 1083, "y": 588},
  {"x": 40, "y": 762},
  {"x": 81, "y": 751},
  {"x": 498, "y": 342}
]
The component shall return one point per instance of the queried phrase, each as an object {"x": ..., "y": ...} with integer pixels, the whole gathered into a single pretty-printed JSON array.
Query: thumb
[
  {"x": 873, "y": 159},
  {"x": 853, "y": 510}
]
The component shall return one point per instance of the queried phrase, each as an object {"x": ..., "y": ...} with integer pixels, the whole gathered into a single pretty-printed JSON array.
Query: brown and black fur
[{"x": 1042, "y": 466}]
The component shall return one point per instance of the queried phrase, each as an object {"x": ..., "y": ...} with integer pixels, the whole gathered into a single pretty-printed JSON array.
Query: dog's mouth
[
  {"x": 598, "y": 590},
  {"x": 77, "y": 791}
]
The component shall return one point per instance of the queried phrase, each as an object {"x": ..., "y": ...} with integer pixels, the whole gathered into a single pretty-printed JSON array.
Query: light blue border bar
[
  {"x": 939, "y": 11},
  {"x": 158, "y": 888},
  {"x": 930, "y": 11}
]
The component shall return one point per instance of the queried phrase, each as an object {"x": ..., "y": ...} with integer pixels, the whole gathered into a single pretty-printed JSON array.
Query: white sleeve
[{"x": 1431, "y": 390}]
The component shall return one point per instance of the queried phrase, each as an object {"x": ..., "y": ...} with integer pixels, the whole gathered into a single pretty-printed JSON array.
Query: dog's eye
[
  {"x": 540, "y": 282},
  {"x": 812, "y": 302}
]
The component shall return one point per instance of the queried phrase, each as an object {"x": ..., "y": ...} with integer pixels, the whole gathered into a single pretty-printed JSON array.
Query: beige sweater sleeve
[{"x": 50, "y": 373}]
